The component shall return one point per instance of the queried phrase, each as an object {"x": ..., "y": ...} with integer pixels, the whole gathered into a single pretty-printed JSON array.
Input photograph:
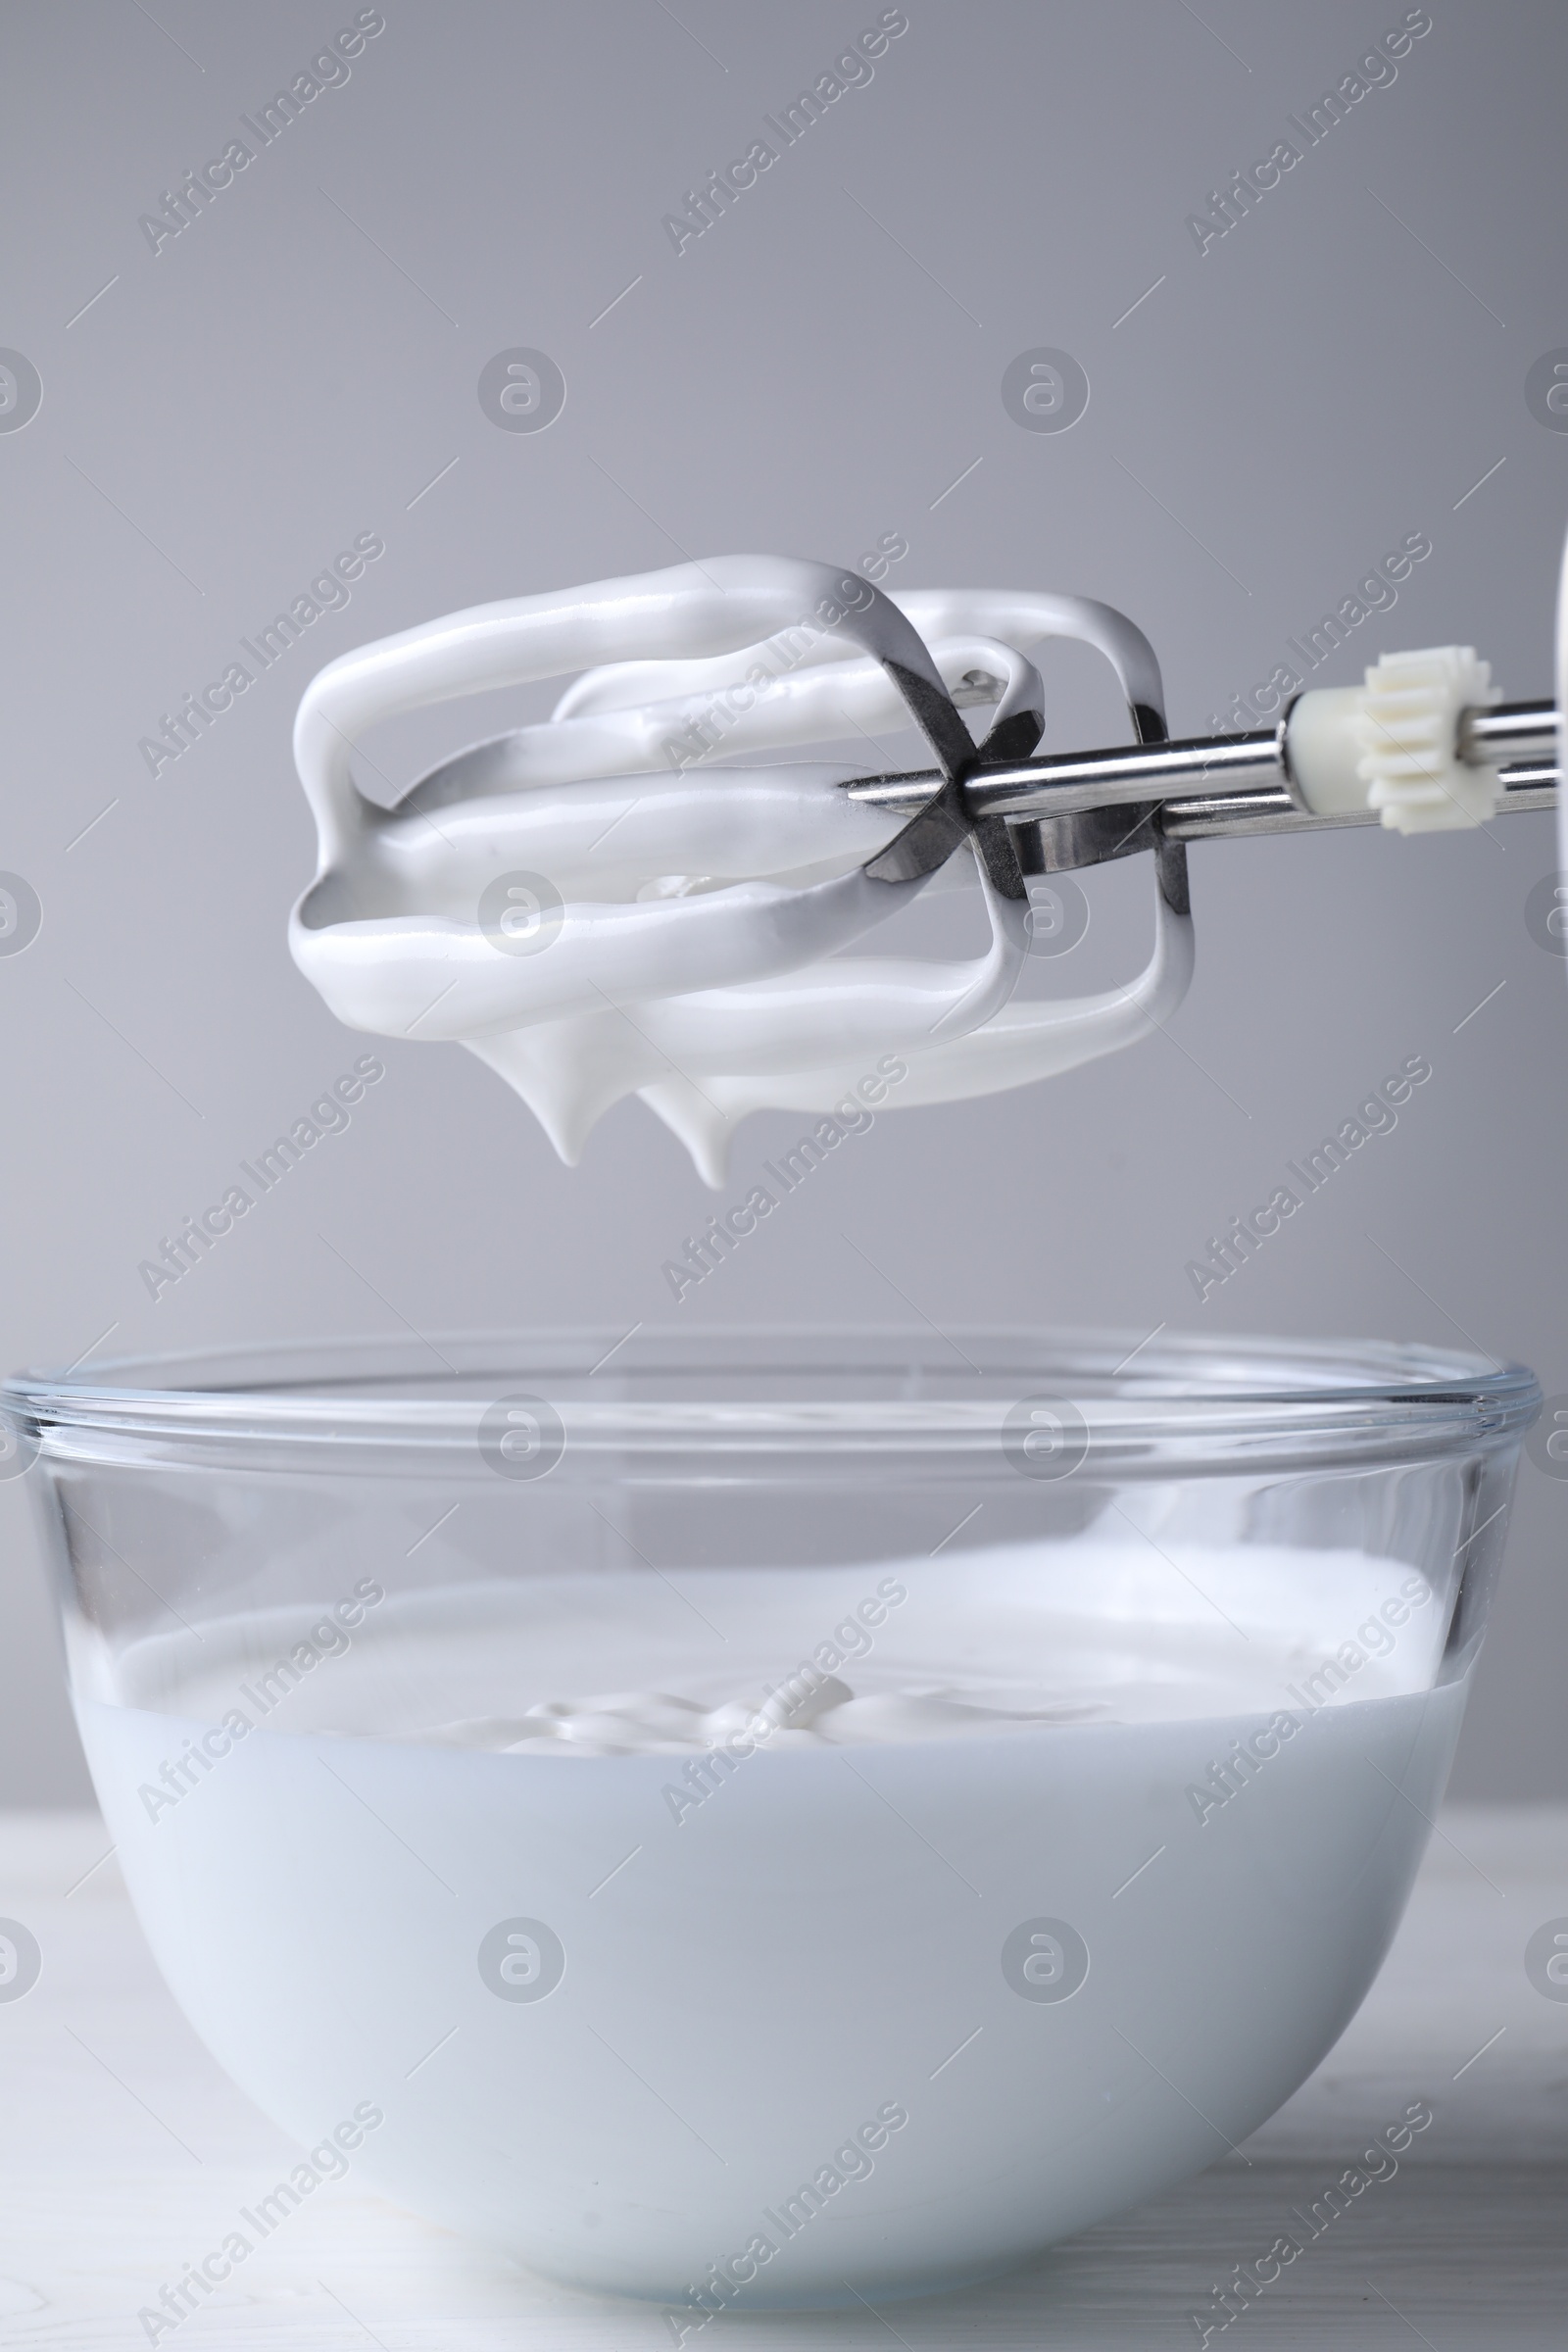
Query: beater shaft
[{"x": 1214, "y": 785}]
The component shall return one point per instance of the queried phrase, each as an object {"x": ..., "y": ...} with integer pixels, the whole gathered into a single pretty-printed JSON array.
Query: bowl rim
[{"x": 1168, "y": 1390}]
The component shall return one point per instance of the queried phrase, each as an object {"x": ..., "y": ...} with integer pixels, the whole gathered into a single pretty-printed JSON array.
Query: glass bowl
[{"x": 771, "y": 1818}]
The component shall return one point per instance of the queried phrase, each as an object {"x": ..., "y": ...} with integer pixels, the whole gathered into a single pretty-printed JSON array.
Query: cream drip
[{"x": 594, "y": 918}]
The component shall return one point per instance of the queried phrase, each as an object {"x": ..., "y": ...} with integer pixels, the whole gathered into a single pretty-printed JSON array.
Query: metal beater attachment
[
  {"x": 615, "y": 901},
  {"x": 1421, "y": 746}
]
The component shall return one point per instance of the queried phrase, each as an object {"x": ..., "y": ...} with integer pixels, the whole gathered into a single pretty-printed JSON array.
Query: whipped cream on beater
[{"x": 595, "y": 915}]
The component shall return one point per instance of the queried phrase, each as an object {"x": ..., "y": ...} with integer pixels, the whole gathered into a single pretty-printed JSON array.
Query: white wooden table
[{"x": 124, "y": 2152}]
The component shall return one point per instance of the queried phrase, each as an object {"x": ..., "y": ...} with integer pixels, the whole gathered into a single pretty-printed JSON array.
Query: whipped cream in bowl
[{"x": 781, "y": 1817}]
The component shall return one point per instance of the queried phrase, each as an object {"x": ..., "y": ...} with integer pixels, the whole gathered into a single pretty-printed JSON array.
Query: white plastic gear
[{"x": 1407, "y": 728}]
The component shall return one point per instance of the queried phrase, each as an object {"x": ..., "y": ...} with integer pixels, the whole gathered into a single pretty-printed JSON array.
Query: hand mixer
[{"x": 610, "y": 903}]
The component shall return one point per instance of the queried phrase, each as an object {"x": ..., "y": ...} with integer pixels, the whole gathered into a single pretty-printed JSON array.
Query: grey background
[{"x": 812, "y": 372}]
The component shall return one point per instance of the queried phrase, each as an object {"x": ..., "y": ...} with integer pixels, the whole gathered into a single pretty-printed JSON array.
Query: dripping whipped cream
[{"x": 594, "y": 916}]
